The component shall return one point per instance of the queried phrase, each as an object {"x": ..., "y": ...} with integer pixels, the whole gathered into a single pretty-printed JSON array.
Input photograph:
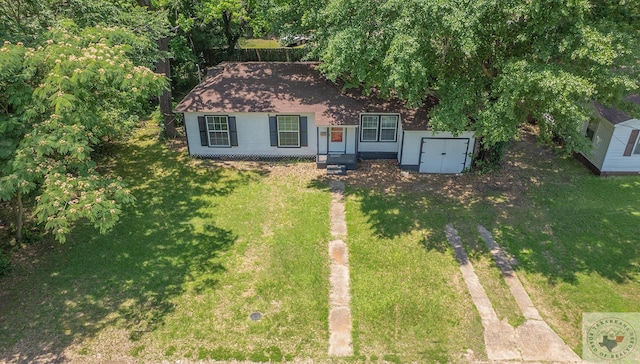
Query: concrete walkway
[
  {"x": 340, "y": 341},
  {"x": 532, "y": 341}
]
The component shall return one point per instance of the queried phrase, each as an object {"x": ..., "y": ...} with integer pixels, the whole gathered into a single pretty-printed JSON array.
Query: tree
[
  {"x": 287, "y": 17},
  {"x": 163, "y": 66},
  {"x": 22, "y": 20},
  {"x": 59, "y": 101},
  {"x": 493, "y": 64},
  {"x": 231, "y": 16},
  {"x": 25, "y": 20}
]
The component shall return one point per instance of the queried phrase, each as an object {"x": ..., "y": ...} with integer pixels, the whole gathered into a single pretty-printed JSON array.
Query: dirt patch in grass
[
  {"x": 524, "y": 164},
  {"x": 524, "y": 161}
]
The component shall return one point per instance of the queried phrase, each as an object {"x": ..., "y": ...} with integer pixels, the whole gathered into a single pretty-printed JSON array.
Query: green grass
[
  {"x": 577, "y": 246},
  {"x": 202, "y": 249},
  {"x": 259, "y": 43},
  {"x": 573, "y": 235},
  {"x": 208, "y": 244},
  {"x": 409, "y": 302}
]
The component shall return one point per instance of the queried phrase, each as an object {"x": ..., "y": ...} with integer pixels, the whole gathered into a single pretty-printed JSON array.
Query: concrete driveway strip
[
  {"x": 536, "y": 339},
  {"x": 499, "y": 337},
  {"x": 340, "y": 339}
]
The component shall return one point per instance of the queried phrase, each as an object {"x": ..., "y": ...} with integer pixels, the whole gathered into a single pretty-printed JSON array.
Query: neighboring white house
[
  {"x": 615, "y": 138},
  {"x": 261, "y": 110}
]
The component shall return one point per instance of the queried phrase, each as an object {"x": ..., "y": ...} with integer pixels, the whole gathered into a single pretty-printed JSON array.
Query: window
[
  {"x": 591, "y": 129},
  {"x": 288, "y": 131},
  {"x": 218, "y": 131},
  {"x": 336, "y": 135},
  {"x": 378, "y": 128},
  {"x": 388, "y": 126},
  {"x": 636, "y": 150},
  {"x": 369, "y": 128}
]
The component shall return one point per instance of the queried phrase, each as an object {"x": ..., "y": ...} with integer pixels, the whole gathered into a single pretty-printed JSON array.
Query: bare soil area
[{"x": 522, "y": 162}]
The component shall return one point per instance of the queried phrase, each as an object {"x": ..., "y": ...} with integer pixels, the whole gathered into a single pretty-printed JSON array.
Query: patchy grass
[
  {"x": 203, "y": 248},
  {"x": 577, "y": 247},
  {"x": 573, "y": 235},
  {"x": 208, "y": 244},
  {"x": 259, "y": 43},
  {"x": 409, "y": 300}
]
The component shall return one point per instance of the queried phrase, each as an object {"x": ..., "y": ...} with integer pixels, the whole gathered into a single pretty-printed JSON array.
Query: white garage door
[{"x": 443, "y": 155}]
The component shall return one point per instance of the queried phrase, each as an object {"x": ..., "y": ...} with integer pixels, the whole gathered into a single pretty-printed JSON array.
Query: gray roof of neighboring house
[
  {"x": 297, "y": 87},
  {"x": 615, "y": 115}
]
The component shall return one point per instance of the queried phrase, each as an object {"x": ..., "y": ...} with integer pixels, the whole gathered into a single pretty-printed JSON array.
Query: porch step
[{"x": 336, "y": 169}]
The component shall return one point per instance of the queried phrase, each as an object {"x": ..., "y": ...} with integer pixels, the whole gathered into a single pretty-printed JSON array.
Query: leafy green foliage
[
  {"x": 60, "y": 100},
  {"x": 23, "y": 20},
  {"x": 183, "y": 64},
  {"x": 286, "y": 17},
  {"x": 5, "y": 263},
  {"x": 27, "y": 20},
  {"x": 230, "y": 16},
  {"x": 493, "y": 64}
]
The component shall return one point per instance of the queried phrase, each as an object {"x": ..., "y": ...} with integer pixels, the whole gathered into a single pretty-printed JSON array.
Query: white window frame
[
  {"x": 212, "y": 129},
  {"x": 379, "y": 128},
  {"x": 370, "y": 118},
  {"x": 636, "y": 149},
  {"x": 280, "y": 130},
  {"x": 394, "y": 128}
]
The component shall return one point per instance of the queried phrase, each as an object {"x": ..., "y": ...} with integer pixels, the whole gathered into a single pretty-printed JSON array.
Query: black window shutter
[
  {"x": 273, "y": 130},
  {"x": 233, "y": 131},
  {"x": 631, "y": 143},
  {"x": 303, "y": 131},
  {"x": 202, "y": 124}
]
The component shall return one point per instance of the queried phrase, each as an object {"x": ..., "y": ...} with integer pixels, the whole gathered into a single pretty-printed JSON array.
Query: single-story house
[
  {"x": 615, "y": 138},
  {"x": 263, "y": 110}
]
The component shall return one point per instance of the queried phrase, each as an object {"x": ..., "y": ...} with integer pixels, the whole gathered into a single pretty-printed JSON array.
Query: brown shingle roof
[
  {"x": 615, "y": 115},
  {"x": 291, "y": 88}
]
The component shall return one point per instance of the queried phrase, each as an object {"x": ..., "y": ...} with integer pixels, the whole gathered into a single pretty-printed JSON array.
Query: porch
[{"x": 337, "y": 161}]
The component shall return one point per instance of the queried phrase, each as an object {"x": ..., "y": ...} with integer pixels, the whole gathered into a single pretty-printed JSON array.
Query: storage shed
[{"x": 615, "y": 138}]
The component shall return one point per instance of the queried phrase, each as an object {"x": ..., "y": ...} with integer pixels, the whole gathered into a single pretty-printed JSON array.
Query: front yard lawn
[
  {"x": 573, "y": 237},
  {"x": 208, "y": 244},
  {"x": 204, "y": 247}
]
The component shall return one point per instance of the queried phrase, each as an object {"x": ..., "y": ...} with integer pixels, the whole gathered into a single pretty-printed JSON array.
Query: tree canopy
[
  {"x": 492, "y": 63},
  {"x": 58, "y": 101},
  {"x": 74, "y": 74}
]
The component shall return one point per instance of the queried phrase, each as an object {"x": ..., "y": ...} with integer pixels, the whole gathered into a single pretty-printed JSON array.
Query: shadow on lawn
[
  {"x": 128, "y": 278},
  {"x": 551, "y": 214},
  {"x": 591, "y": 227}
]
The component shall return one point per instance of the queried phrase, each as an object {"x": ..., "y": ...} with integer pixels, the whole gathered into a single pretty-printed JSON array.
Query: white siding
[
  {"x": 253, "y": 137},
  {"x": 615, "y": 161},
  {"x": 412, "y": 142},
  {"x": 380, "y": 147},
  {"x": 322, "y": 139},
  {"x": 350, "y": 136},
  {"x": 600, "y": 144}
]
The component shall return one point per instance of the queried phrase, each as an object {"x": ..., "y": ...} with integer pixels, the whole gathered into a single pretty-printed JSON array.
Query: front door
[{"x": 337, "y": 141}]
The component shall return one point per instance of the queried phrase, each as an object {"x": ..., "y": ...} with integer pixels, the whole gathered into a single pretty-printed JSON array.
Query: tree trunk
[
  {"x": 19, "y": 216},
  {"x": 163, "y": 67},
  {"x": 232, "y": 39}
]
